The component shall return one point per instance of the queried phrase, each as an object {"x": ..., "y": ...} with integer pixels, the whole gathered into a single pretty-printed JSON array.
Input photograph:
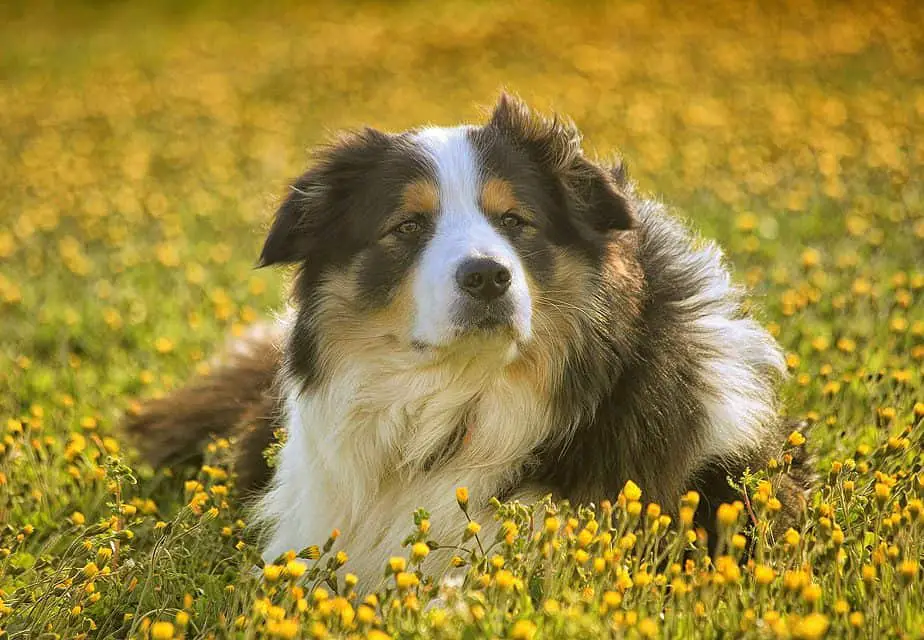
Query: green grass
[{"x": 142, "y": 151}]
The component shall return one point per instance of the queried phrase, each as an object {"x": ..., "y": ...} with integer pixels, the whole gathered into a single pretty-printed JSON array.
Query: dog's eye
[
  {"x": 511, "y": 220},
  {"x": 408, "y": 228}
]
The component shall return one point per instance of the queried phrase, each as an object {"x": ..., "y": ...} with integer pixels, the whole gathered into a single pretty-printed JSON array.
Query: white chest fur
[{"x": 355, "y": 457}]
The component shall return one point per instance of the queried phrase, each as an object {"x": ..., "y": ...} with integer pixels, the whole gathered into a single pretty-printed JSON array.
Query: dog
[{"x": 481, "y": 306}]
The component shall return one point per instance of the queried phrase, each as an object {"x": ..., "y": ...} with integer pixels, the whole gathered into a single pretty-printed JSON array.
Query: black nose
[{"x": 483, "y": 278}]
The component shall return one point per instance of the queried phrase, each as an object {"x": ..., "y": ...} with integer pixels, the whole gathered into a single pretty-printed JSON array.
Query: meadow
[{"x": 142, "y": 149}]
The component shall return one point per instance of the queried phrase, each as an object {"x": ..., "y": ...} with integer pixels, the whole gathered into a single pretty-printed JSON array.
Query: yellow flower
[
  {"x": 632, "y": 492},
  {"x": 812, "y": 626},
  {"x": 727, "y": 515},
  {"x": 78, "y": 518},
  {"x": 551, "y": 525},
  {"x": 471, "y": 529},
  {"x": 90, "y": 570},
  {"x": 162, "y": 631},
  {"x": 763, "y": 574},
  {"x": 811, "y": 593},
  {"x": 504, "y": 579},
  {"x": 728, "y": 568},
  {"x": 406, "y": 580},
  {"x": 584, "y": 538},
  {"x": 397, "y": 564},
  {"x": 648, "y": 628},
  {"x": 856, "y": 619},
  {"x": 272, "y": 572},
  {"x": 295, "y": 569},
  {"x": 796, "y": 439},
  {"x": 462, "y": 497},
  {"x": 882, "y": 492},
  {"x": 365, "y": 614},
  {"x": 282, "y": 628},
  {"x": 791, "y": 537},
  {"x": 908, "y": 569},
  {"x": 523, "y": 630},
  {"x": 419, "y": 551}
]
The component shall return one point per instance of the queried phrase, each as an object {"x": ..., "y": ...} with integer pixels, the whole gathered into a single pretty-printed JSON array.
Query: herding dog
[{"x": 482, "y": 307}]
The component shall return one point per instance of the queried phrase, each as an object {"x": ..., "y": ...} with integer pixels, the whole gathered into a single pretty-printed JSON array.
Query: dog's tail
[{"x": 237, "y": 398}]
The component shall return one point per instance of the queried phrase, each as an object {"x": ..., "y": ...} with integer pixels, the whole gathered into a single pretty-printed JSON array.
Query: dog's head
[{"x": 438, "y": 239}]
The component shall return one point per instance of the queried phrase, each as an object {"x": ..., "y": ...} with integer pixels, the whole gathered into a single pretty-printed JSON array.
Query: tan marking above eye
[
  {"x": 497, "y": 196},
  {"x": 420, "y": 196}
]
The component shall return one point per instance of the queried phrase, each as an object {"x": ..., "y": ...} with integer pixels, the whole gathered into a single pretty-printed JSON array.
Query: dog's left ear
[
  {"x": 555, "y": 143},
  {"x": 606, "y": 207},
  {"x": 319, "y": 199}
]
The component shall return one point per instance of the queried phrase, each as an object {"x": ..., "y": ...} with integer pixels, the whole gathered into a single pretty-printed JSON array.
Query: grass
[{"x": 141, "y": 154}]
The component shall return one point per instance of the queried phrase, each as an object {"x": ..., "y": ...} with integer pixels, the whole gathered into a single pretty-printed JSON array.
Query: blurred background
[{"x": 143, "y": 146}]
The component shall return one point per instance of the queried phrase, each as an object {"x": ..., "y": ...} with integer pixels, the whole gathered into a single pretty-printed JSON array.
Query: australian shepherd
[{"x": 481, "y": 306}]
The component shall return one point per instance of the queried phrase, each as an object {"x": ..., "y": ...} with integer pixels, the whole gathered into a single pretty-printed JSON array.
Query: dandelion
[
  {"x": 552, "y": 525},
  {"x": 471, "y": 530},
  {"x": 523, "y": 630},
  {"x": 812, "y": 626},
  {"x": 648, "y": 628},
  {"x": 162, "y": 631},
  {"x": 295, "y": 569},
  {"x": 282, "y": 628},
  {"x": 272, "y": 572},
  {"x": 811, "y": 593},
  {"x": 727, "y": 515},
  {"x": 908, "y": 570},
  {"x": 504, "y": 580},
  {"x": 584, "y": 538},
  {"x": 462, "y": 498},
  {"x": 396, "y": 564},
  {"x": 406, "y": 580},
  {"x": 763, "y": 574},
  {"x": 632, "y": 492}
]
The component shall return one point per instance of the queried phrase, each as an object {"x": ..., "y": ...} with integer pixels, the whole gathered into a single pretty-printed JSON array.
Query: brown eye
[
  {"x": 408, "y": 227},
  {"x": 511, "y": 220}
]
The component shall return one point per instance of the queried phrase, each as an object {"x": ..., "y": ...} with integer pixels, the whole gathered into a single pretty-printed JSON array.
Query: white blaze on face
[{"x": 462, "y": 232}]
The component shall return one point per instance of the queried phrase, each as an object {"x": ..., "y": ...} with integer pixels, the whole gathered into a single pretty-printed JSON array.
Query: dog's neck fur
[{"x": 380, "y": 437}]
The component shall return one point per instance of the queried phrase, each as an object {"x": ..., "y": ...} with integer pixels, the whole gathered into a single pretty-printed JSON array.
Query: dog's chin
[{"x": 483, "y": 338}]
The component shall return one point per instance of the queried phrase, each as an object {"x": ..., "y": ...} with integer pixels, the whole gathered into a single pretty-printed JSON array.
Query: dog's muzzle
[{"x": 484, "y": 303}]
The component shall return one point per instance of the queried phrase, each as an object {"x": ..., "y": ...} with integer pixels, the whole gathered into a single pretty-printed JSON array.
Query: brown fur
[
  {"x": 237, "y": 400},
  {"x": 497, "y": 197}
]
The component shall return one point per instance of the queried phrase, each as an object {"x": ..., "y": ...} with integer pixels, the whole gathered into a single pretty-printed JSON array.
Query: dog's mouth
[
  {"x": 473, "y": 317},
  {"x": 479, "y": 330}
]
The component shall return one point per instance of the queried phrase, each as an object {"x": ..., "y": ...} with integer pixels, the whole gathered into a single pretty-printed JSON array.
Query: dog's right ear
[
  {"x": 290, "y": 238},
  {"x": 320, "y": 197}
]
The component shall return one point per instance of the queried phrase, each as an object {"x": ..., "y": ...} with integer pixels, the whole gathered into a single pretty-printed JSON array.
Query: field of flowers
[{"x": 141, "y": 152}]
